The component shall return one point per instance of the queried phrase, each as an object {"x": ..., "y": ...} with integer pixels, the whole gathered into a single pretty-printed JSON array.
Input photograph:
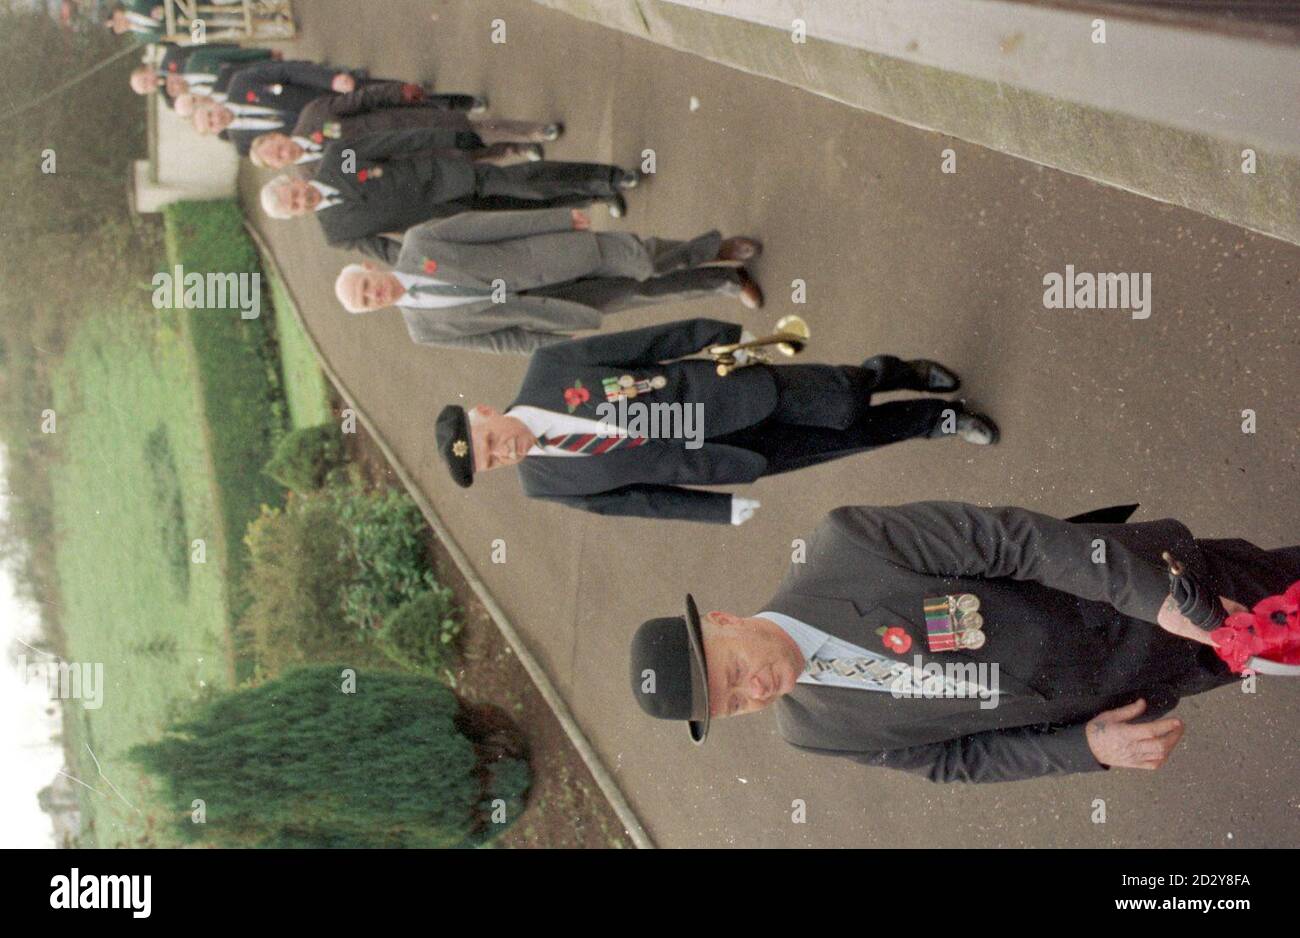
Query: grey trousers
[{"x": 639, "y": 272}]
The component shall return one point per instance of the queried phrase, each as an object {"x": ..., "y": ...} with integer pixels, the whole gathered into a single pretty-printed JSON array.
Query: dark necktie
[
  {"x": 446, "y": 289},
  {"x": 591, "y": 444}
]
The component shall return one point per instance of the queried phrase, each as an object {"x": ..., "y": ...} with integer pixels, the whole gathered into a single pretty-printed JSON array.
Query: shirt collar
[
  {"x": 329, "y": 195},
  {"x": 804, "y": 635},
  {"x": 535, "y": 419},
  {"x": 310, "y": 151}
]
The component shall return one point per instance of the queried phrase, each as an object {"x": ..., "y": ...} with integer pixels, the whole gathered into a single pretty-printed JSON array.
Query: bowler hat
[{"x": 669, "y": 672}]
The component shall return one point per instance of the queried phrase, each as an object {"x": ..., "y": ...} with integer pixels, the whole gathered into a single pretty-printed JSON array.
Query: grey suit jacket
[
  {"x": 1069, "y": 613},
  {"x": 524, "y": 250}
]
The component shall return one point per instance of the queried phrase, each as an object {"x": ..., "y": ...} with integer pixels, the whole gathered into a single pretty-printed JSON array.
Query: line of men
[{"x": 483, "y": 245}]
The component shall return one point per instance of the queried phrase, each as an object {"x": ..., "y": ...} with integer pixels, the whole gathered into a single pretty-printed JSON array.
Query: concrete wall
[
  {"x": 1161, "y": 109},
  {"x": 183, "y": 165}
]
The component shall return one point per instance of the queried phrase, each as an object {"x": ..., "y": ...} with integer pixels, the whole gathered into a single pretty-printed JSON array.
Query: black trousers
[
  {"x": 446, "y": 102},
  {"x": 541, "y": 185},
  {"x": 824, "y": 412}
]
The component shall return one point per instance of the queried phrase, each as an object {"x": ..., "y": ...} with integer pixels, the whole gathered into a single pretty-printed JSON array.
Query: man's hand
[
  {"x": 412, "y": 93},
  {"x": 742, "y": 509},
  {"x": 1174, "y": 622},
  {"x": 344, "y": 83},
  {"x": 581, "y": 220},
  {"x": 1115, "y": 741}
]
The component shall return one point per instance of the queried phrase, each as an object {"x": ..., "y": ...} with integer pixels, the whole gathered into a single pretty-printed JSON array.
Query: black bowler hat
[
  {"x": 669, "y": 675},
  {"x": 455, "y": 445}
]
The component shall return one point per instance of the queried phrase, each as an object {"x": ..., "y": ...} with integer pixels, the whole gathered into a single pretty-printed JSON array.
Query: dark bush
[
  {"x": 419, "y": 633},
  {"x": 297, "y": 565},
  {"x": 303, "y": 762},
  {"x": 304, "y": 458},
  {"x": 387, "y": 548}
]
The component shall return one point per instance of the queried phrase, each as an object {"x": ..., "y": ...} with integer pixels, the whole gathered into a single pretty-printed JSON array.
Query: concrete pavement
[{"x": 1096, "y": 408}]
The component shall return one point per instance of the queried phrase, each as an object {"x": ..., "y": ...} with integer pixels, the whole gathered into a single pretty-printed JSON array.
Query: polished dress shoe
[
  {"x": 551, "y": 132},
  {"x": 739, "y": 249},
  {"x": 976, "y": 428},
  {"x": 628, "y": 178},
  {"x": 750, "y": 296},
  {"x": 936, "y": 377},
  {"x": 617, "y": 206}
]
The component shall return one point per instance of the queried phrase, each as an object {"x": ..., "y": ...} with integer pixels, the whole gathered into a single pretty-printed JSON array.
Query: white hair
[
  {"x": 341, "y": 282},
  {"x": 271, "y": 197},
  {"x": 253, "y": 156}
]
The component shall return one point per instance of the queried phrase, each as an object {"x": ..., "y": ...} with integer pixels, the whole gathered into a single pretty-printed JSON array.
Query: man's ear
[
  {"x": 725, "y": 619},
  {"x": 485, "y": 410}
]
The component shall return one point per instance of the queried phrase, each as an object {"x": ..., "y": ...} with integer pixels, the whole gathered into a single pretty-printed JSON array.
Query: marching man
[
  {"x": 964, "y": 644},
  {"x": 515, "y": 281},
  {"x": 757, "y": 421}
]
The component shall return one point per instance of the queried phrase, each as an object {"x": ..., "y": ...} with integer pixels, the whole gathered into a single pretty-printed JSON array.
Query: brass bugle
[{"x": 791, "y": 336}]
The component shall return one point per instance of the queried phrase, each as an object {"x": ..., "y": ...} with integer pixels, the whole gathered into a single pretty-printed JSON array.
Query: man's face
[
  {"x": 298, "y": 197},
  {"x": 144, "y": 79},
  {"x": 212, "y": 118},
  {"x": 176, "y": 86},
  {"x": 278, "y": 150},
  {"x": 118, "y": 22},
  {"x": 498, "y": 440},
  {"x": 750, "y": 662},
  {"x": 373, "y": 289}
]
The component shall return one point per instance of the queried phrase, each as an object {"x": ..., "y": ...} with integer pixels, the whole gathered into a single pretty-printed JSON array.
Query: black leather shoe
[
  {"x": 936, "y": 377},
  {"x": 976, "y": 428},
  {"x": 617, "y": 206}
]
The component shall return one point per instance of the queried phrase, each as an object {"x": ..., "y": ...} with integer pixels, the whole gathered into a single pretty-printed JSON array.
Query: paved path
[{"x": 1096, "y": 408}]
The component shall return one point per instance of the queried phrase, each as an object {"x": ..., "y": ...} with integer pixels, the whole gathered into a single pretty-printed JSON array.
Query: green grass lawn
[
  {"x": 165, "y": 419},
  {"x": 305, "y": 388},
  {"x": 132, "y": 489}
]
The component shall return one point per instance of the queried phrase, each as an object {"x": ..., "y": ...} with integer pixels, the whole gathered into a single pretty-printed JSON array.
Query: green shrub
[
  {"x": 303, "y": 762},
  {"x": 304, "y": 458},
  {"x": 386, "y": 548},
  {"x": 417, "y": 635},
  {"x": 298, "y": 561}
]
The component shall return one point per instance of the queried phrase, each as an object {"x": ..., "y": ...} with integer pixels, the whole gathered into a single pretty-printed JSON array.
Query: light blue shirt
[{"x": 814, "y": 642}]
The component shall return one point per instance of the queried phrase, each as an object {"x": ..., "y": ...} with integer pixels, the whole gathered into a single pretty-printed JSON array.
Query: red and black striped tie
[{"x": 591, "y": 444}]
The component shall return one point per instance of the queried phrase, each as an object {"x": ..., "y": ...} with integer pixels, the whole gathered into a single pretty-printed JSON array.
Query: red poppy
[
  {"x": 430, "y": 266},
  {"x": 1271, "y": 630},
  {"x": 412, "y": 92},
  {"x": 362, "y": 175},
  {"x": 896, "y": 640},
  {"x": 318, "y": 137},
  {"x": 251, "y": 96},
  {"x": 574, "y": 397}
]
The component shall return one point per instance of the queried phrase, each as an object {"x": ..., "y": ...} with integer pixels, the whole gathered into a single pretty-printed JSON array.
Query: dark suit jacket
[
  {"x": 1071, "y": 636},
  {"x": 284, "y": 87},
  {"x": 647, "y": 481},
  {"x": 412, "y": 184}
]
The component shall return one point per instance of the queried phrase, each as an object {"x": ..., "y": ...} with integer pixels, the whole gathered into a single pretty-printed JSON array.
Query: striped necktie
[
  {"x": 884, "y": 674},
  {"x": 591, "y": 444}
]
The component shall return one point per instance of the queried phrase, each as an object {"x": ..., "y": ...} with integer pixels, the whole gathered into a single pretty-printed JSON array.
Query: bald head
[
  {"x": 362, "y": 288},
  {"x": 144, "y": 79}
]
